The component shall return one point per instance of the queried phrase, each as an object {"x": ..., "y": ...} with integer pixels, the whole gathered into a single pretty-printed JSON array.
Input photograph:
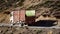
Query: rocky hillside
[{"x": 42, "y": 7}]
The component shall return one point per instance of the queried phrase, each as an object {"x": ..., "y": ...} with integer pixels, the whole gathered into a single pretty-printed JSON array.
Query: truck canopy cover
[{"x": 30, "y": 12}]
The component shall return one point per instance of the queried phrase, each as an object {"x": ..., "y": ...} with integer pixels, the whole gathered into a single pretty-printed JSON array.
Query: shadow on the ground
[{"x": 43, "y": 23}]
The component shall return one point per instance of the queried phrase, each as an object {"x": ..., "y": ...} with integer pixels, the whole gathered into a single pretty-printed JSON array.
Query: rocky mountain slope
[{"x": 42, "y": 7}]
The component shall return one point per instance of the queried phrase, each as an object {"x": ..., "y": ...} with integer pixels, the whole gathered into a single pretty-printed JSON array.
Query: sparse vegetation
[
  {"x": 41, "y": 7},
  {"x": 13, "y": 30}
]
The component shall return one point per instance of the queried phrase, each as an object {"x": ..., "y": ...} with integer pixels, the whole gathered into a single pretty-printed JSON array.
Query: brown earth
[
  {"x": 27, "y": 30},
  {"x": 49, "y": 8},
  {"x": 41, "y": 6},
  {"x": 4, "y": 17}
]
